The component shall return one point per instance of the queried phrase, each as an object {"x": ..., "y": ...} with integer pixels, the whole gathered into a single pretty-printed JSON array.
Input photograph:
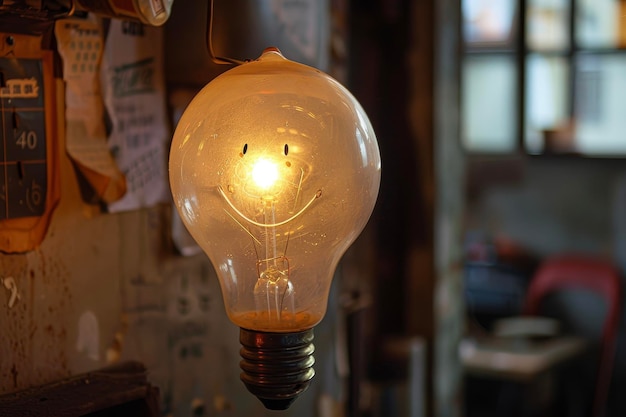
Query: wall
[
  {"x": 552, "y": 204},
  {"x": 104, "y": 288}
]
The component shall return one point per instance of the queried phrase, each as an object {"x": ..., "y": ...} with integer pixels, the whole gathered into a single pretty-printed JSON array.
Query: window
[{"x": 544, "y": 76}]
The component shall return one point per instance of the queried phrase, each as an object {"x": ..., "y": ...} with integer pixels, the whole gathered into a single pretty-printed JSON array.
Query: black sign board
[{"x": 23, "y": 170}]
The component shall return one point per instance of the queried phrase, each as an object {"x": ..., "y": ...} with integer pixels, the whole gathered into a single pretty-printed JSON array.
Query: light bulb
[{"x": 275, "y": 170}]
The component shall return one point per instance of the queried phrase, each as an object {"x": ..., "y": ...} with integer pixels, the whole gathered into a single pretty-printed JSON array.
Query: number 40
[{"x": 27, "y": 139}]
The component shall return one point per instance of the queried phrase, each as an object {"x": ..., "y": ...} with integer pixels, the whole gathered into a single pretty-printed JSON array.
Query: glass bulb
[{"x": 275, "y": 170}]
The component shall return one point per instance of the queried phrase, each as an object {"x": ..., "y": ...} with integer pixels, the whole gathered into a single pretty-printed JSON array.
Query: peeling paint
[
  {"x": 11, "y": 286},
  {"x": 88, "y": 340}
]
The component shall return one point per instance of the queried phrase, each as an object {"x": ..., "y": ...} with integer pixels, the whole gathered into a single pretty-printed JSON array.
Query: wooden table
[
  {"x": 522, "y": 372},
  {"x": 518, "y": 359},
  {"x": 121, "y": 390}
]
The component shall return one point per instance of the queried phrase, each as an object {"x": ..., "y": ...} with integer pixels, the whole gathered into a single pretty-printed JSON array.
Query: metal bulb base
[{"x": 277, "y": 367}]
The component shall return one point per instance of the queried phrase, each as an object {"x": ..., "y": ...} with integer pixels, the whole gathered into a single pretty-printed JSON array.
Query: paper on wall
[
  {"x": 79, "y": 42},
  {"x": 134, "y": 95}
]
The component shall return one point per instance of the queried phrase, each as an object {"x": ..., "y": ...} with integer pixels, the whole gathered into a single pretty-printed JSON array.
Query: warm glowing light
[
  {"x": 264, "y": 173},
  {"x": 275, "y": 169}
]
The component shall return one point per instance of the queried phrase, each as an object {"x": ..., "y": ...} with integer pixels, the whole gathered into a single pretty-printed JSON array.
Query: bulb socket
[{"x": 277, "y": 367}]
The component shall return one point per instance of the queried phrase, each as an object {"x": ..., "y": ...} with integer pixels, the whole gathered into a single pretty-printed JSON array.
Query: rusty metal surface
[{"x": 104, "y": 288}]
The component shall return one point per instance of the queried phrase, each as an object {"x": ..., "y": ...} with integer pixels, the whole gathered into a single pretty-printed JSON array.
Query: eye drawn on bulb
[{"x": 265, "y": 195}]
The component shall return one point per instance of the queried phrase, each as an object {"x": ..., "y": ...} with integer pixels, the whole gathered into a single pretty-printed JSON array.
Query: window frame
[{"x": 518, "y": 47}]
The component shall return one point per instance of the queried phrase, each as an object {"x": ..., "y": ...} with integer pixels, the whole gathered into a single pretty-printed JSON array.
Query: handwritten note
[
  {"x": 80, "y": 44},
  {"x": 134, "y": 91}
]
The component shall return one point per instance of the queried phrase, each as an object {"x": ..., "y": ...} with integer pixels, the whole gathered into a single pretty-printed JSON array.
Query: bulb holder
[{"x": 277, "y": 367}]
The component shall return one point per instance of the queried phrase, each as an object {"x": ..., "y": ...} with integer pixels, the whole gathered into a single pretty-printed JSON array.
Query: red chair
[{"x": 576, "y": 272}]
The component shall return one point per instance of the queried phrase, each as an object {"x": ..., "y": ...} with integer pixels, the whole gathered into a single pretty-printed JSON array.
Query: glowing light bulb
[{"x": 275, "y": 170}]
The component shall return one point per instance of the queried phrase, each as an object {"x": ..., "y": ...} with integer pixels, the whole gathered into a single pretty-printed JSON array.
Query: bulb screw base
[{"x": 277, "y": 367}]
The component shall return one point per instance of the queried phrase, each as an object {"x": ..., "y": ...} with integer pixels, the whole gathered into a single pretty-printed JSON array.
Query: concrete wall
[
  {"x": 553, "y": 205},
  {"x": 104, "y": 288}
]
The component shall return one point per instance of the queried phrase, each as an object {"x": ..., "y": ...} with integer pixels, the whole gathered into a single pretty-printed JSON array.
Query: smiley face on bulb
[
  {"x": 265, "y": 179},
  {"x": 266, "y": 194}
]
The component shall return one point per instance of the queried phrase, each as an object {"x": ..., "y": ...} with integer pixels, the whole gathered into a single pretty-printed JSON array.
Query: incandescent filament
[{"x": 264, "y": 173}]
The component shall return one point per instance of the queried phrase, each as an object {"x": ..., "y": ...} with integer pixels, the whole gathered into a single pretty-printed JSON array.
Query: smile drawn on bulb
[{"x": 317, "y": 195}]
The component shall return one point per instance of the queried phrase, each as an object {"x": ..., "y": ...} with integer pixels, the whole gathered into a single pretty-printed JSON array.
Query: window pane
[
  {"x": 547, "y": 24},
  {"x": 546, "y": 103},
  {"x": 488, "y": 22},
  {"x": 600, "y": 104},
  {"x": 601, "y": 23},
  {"x": 489, "y": 103}
]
